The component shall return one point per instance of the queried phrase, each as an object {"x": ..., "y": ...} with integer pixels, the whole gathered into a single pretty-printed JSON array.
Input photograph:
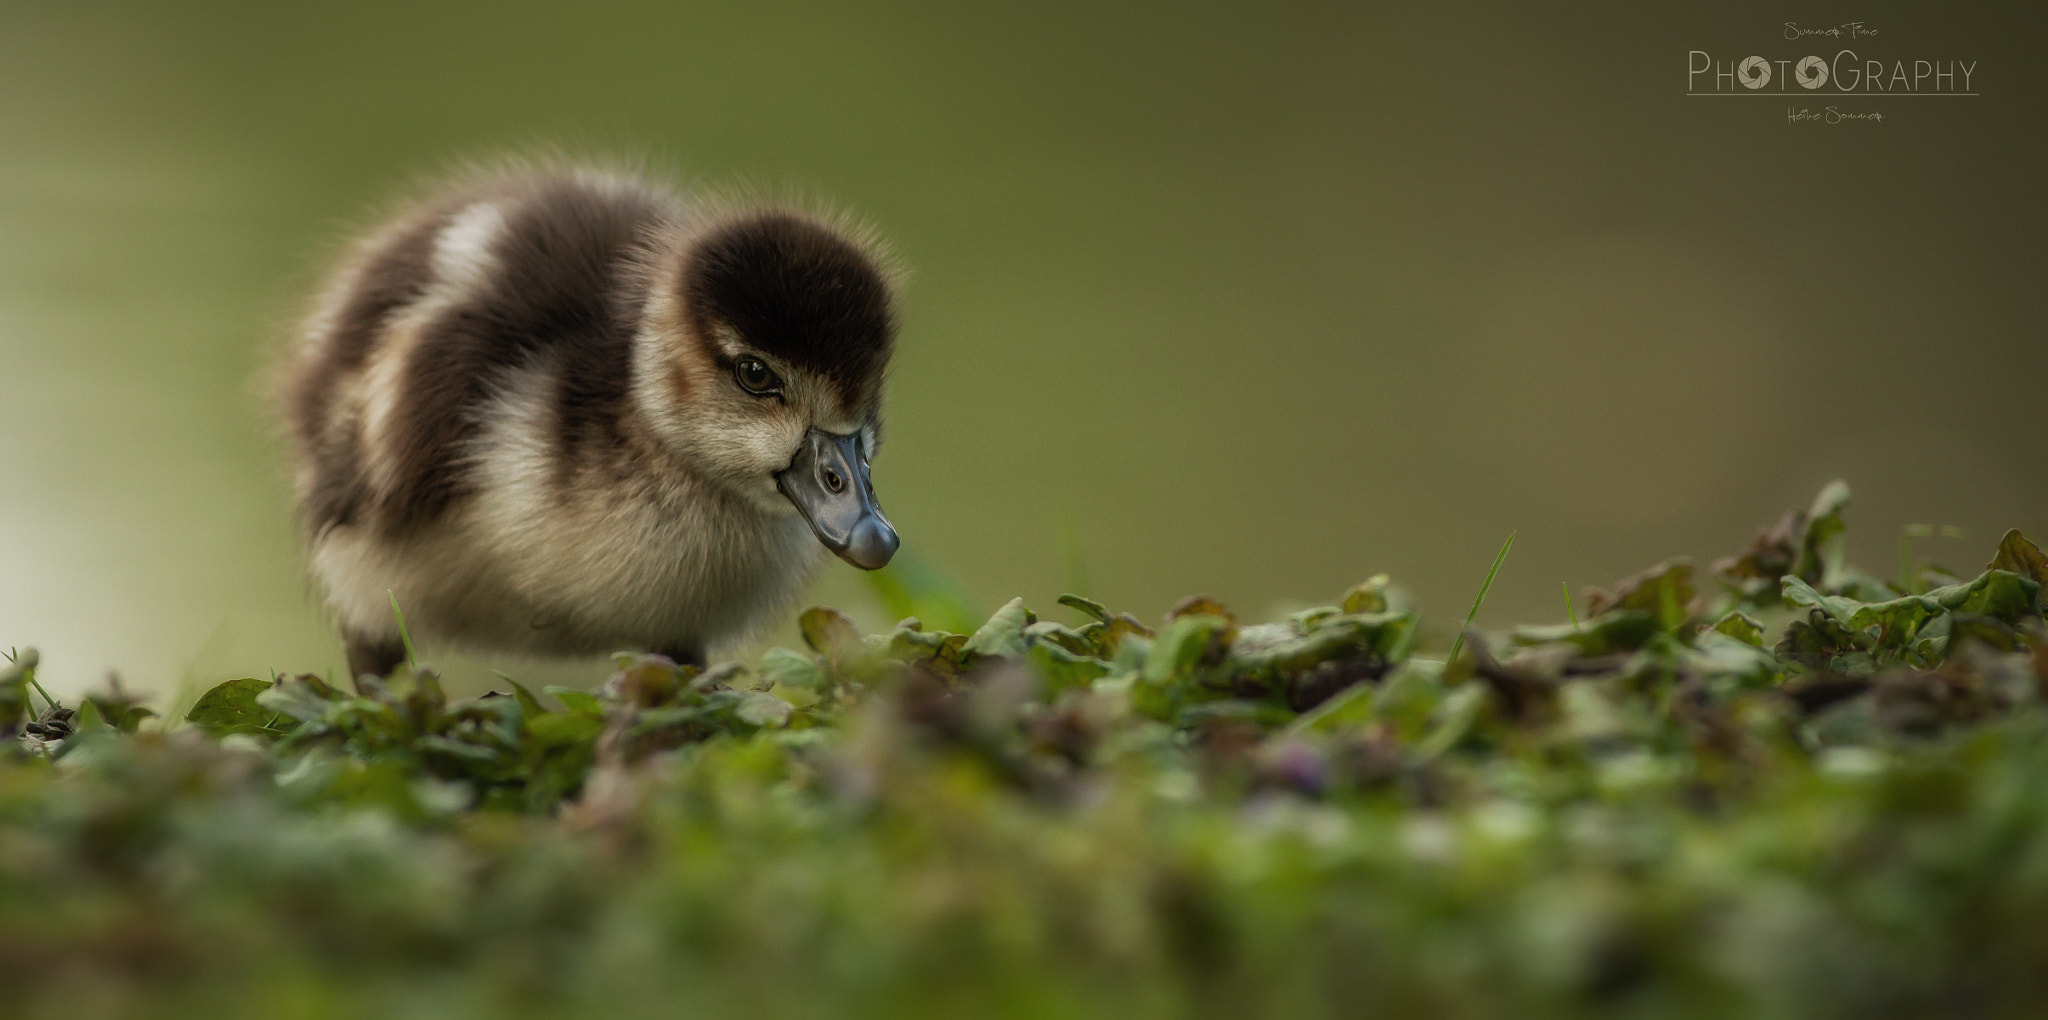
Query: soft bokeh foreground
[
  {"x": 1782, "y": 788},
  {"x": 1252, "y": 300}
]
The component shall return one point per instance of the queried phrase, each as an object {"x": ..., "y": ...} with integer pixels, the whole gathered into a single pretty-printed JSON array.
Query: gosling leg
[{"x": 375, "y": 656}]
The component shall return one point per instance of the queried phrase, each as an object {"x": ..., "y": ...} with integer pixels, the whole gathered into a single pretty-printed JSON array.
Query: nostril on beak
[{"x": 833, "y": 481}]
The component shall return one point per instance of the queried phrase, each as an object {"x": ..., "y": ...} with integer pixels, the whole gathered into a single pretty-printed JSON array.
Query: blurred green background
[{"x": 1247, "y": 300}]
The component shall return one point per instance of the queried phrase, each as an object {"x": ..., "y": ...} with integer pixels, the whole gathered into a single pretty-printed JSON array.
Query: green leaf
[
  {"x": 1664, "y": 591},
  {"x": 1183, "y": 644},
  {"x": 16, "y": 677},
  {"x": 580, "y": 702},
  {"x": 573, "y": 728},
  {"x": 528, "y": 704},
  {"x": 1824, "y": 524},
  {"x": 121, "y": 711},
  {"x": 1003, "y": 634},
  {"x": 2000, "y": 594},
  {"x": 1799, "y": 545},
  {"x": 1087, "y": 607},
  {"x": 1351, "y": 706},
  {"x": 1234, "y": 709},
  {"x": 1716, "y": 653},
  {"x": 462, "y": 749},
  {"x": 910, "y": 642},
  {"x": 760, "y": 708},
  {"x": 645, "y": 680},
  {"x": 1062, "y": 668},
  {"x": 1797, "y": 592},
  {"x": 798, "y": 697},
  {"x": 1407, "y": 698},
  {"x": 1741, "y": 626},
  {"x": 2024, "y": 558},
  {"x": 418, "y": 703},
  {"x": 88, "y": 718},
  {"x": 1201, "y": 605},
  {"x": 1895, "y": 625},
  {"x": 1821, "y": 642},
  {"x": 1107, "y": 638},
  {"x": 1048, "y": 632},
  {"x": 299, "y": 698},
  {"x": 831, "y": 634},
  {"x": 1368, "y": 597},
  {"x": 231, "y": 707},
  {"x": 1452, "y": 719},
  {"x": 1930, "y": 642},
  {"x": 792, "y": 668},
  {"x": 1619, "y": 630},
  {"x": 1268, "y": 651}
]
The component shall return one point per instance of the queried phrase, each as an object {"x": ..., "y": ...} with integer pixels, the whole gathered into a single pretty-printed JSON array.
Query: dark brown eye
[{"x": 756, "y": 377}]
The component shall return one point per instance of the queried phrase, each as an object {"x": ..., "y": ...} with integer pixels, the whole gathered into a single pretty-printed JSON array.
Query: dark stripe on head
[{"x": 799, "y": 290}]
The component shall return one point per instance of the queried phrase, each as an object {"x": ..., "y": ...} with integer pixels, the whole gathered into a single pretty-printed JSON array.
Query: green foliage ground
[{"x": 1780, "y": 789}]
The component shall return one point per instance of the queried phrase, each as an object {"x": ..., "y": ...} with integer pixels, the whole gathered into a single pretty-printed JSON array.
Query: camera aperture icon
[
  {"x": 1755, "y": 73},
  {"x": 1812, "y": 73}
]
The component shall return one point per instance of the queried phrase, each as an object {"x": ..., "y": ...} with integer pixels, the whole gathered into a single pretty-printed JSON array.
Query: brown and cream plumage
[{"x": 566, "y": 411}]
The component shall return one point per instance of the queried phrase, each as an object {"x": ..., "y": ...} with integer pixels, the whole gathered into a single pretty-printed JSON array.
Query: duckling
[{"x": 563, "y": 411}]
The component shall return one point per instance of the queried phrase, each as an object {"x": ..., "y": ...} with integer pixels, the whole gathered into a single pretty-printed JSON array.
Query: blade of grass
[
  {"x": 28, "y": 673},
  {"x": 1459, "y": 644},
  {"x": 1569, "y": 613},
  {"x": 404, "y": 637},
  {"x": 32, "y": 682}
]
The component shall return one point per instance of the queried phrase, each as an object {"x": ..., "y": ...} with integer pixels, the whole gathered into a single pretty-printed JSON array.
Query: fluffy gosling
[{"x": 565, "y": 412}]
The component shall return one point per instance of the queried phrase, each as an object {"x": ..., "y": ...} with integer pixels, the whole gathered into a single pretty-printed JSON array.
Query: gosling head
[{"x": 762, "y": 366}]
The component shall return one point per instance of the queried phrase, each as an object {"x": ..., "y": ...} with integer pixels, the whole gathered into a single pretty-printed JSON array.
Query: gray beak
[{"x": 828, "y": 482}]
